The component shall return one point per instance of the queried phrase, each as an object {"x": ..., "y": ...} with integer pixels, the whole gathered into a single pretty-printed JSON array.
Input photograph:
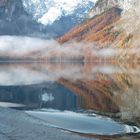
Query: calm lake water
[{"x": 92, "y": 98}]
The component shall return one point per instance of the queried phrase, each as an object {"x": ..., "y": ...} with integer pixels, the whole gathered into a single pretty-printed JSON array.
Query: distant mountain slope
[
  {"x": 47, "y": 12},
  {"x": 96, "y": 29},
  {"x": 38, "y": 19},
  {"x": 110, "y": 27},
  {"x": 14, "y": 20}
]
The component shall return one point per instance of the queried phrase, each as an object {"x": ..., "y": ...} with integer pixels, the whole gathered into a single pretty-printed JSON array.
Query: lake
[{"x": 94, "y": 100}]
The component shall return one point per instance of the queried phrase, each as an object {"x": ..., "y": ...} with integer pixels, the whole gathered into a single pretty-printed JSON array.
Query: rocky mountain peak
[{"x": 103, "y": 5}]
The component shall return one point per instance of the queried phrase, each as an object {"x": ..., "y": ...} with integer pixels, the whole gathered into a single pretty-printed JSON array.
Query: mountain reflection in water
[{"x": 107, "y": 89}]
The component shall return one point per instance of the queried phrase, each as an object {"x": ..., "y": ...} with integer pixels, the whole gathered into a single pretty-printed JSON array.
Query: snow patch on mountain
[{"x": 48, "y": 11}]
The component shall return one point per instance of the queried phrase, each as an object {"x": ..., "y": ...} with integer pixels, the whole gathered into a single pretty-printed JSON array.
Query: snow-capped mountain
[
  {"x": 48, "y": 11},
  {"x": 14, "y": 20},
  {"x": 41, "y": 18},
  {"x": 103, "y": 5}
]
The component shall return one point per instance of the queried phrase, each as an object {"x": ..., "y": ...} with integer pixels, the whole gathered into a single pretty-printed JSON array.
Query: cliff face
[
  {"x": 41, "y": 18},
  {"x": 130, "y": 24},
  {"x": 14, "y": 20},
  {"x": 103, "y": 5}
]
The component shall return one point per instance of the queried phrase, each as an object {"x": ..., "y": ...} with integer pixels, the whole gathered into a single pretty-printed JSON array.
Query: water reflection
[
  {"x": 45, "y": 95},
  {"x": 17, "y": 73},
  {"x": 107, "y": 89}
]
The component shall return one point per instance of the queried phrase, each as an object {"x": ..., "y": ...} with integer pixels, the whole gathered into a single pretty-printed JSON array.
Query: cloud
[{"x": 18, "y": 46}]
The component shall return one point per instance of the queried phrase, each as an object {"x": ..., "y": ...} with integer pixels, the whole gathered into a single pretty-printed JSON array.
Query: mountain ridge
[
  {"x": 103, "y": 5},
  {"x": 15, "y": 19},
  {"x": 92, "y": 27},
  {"x": 110, "y": 30},
  {"x": 47, "y": 12}
]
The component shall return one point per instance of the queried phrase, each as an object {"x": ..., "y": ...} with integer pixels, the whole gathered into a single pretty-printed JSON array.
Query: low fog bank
[
  {"x": 27, "y": 47},
  {"x": 21, "y": 44}
]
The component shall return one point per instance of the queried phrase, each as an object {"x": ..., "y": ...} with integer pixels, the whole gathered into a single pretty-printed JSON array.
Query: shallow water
[
  {"x": 91, "y": 98},
  {"x": 83, "y": 123}
]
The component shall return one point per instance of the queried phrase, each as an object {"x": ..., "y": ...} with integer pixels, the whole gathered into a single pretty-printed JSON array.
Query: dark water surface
[{"x": 91, "y": 98}]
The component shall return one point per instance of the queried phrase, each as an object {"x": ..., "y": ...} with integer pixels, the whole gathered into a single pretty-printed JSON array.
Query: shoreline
[{"x": 17, "y": 125}]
